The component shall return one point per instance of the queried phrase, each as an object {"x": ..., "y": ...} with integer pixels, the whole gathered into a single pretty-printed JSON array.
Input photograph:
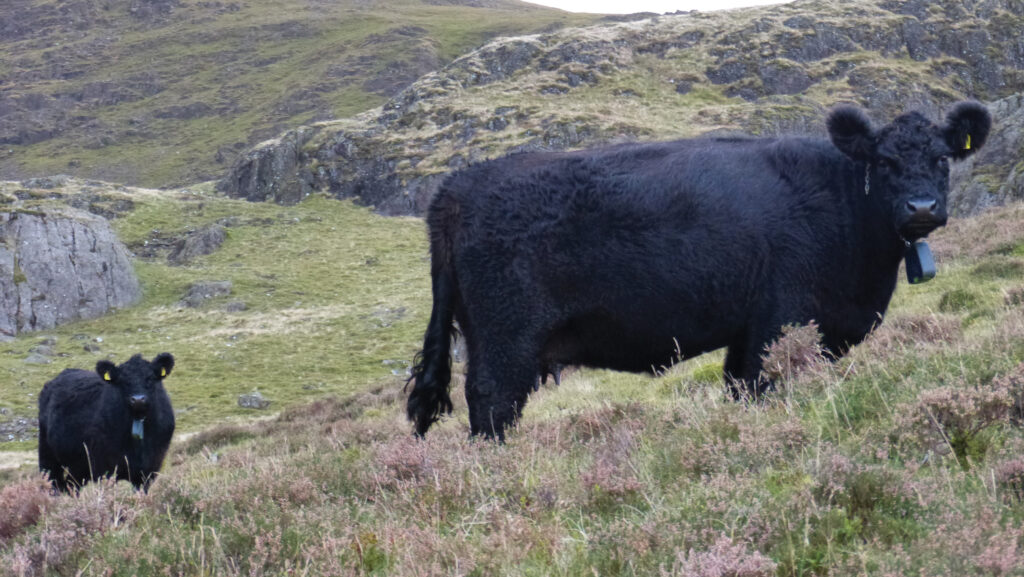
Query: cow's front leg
[
  {"x": 745, "y": 359},
  {"x": 743, "y": 365}
]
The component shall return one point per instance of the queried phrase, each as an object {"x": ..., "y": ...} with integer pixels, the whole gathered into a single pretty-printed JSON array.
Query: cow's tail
[{"x": 432, "y": 366}]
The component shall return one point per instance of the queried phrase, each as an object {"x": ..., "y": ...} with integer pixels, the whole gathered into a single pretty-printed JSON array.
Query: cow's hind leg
[
  {"x": 498, "y": 382},
  {"x": 48, "y": 462}
]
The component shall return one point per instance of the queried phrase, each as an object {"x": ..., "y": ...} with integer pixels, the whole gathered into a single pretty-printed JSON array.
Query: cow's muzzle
[
  {"x": 921, "y": 216},
  {"x": 138, "y": 404}
]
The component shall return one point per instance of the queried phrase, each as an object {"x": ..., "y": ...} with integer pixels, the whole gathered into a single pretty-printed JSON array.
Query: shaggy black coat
[
  {"x": 633, "y": 256},
  {"x": 117, "y": 421}
]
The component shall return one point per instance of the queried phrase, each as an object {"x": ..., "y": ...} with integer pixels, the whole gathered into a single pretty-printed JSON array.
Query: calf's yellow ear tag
[
  {"x": 968, "y": 145},
  {"x": 106, "y": 376},
  {"x": 163, "y": 372}
]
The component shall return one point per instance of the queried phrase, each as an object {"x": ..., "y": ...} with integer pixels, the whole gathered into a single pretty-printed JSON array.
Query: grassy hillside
[
  {"x": 165, "y": 92},
  {"x": 903, "y": 458},
  {"x": 331, "y": 293}
]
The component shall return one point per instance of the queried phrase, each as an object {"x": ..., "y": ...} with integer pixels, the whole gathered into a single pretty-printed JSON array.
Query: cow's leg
[
  {"x": 48, "y": 461},
  {"x": 498, "y": 381},
  {"x": 734, "y": 361},
  {"x": 743, "y": 363}
]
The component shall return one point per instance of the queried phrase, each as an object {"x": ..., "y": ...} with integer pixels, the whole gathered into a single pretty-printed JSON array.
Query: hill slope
[
  {"x": 760, "y": 71},
  {"x": 166, "y": 92},
  {"x": 902, "y": 459}
]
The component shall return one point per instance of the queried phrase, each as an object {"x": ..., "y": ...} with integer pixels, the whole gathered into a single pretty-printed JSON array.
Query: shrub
[
  {"x": 798, "y": 350},
  {"x": 1012, "y": 384},
  {"x": 954, "y": 418},
  {"x": 1010, "y": 477},
  {"x": 611, "y": 480},
  {"x": 1014, "y": 297},
  {"x": 723, "y": 559},
  {"x": 21, "y": 505}
]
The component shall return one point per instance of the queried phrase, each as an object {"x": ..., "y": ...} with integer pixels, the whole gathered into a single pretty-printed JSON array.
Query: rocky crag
[
  {"x": 58, "y": 265},
  {"x": 760, "y": 71}
]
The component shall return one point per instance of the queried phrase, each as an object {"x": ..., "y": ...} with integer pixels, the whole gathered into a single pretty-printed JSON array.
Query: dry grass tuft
[
  {"x": 995, "y": 232},
  {"x": 904, "y": 330}
]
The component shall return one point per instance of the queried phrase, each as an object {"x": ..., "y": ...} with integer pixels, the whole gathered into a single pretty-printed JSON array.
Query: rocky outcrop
[
  {"x": 772, "y": 71},
  {"x": 201, "y": 242},
  {"x": 202, "y": 291},
  {"x": 995, "y": 175},
  {"x": 60, "y": 267},
  {"x": 272, "y": 171}
]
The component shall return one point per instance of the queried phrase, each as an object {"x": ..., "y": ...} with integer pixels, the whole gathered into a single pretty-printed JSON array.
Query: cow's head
[
  {"x": 908, "y": 160},
  {"x": 138, "y": 380}
]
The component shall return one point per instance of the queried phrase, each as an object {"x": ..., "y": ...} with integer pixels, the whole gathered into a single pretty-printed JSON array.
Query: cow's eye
[
  {"x": 888, "y": 164},
  {"x": 943, "y": 162}
]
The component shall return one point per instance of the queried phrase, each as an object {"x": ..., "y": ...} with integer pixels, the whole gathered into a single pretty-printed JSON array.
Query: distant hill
[
  {"x": 761, "y": 71},
  {"x": 165, "y": 92}
]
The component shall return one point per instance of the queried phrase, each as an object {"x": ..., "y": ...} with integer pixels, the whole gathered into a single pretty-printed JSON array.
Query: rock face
[
  {"x": 271, "y": 171},
  {"x": 57, "y": 268},
  {"x": 760, "y": 71},
  {"x": 202, "y": 242},
  {"x": 997, "y": 169}
]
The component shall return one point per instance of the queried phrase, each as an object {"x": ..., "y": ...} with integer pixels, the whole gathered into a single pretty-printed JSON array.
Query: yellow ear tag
[
  {"x": 163, "y": 372},
  {"x": 968, "y": 145},
  {"x": 106, "y": 376}
]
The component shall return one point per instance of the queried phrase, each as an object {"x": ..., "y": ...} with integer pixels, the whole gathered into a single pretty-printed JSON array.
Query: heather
[{"x": 902, "y": 458}]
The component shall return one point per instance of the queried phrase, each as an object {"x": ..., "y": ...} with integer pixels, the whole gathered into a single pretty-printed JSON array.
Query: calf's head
[
  {"x": 138, "y": 381},
  {"x": 908, "y": 160}
]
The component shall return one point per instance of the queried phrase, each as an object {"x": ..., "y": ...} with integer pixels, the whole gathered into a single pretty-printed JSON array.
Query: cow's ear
[
  {"x": 851, "y": 132},
  {"x": 967, "y": 128},
  {"x": 106, "y": 370},
  {"x": 162, "y": 364}
]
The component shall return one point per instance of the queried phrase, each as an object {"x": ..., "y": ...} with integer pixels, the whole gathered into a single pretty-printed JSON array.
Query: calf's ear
[
  {"x": 851, "y": 132},
  {"x": 106, "y": 370},
  {"x": 967, "y": 128},
  {"x": 163, "y": 363}
]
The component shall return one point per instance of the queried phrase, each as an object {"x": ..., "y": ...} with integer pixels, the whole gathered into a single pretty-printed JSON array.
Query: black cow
[
  {"x": 115, "y": 421},
  {"x": 631, "y": 256}
]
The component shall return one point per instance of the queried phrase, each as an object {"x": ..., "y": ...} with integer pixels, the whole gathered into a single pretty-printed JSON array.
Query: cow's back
[
  {"x": 745, "y": 182},
  {"x": 672, "y": 242}
]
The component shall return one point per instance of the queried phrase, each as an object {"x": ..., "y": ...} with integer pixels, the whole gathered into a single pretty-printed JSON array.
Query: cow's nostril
[{"x": 137, "y": 401}]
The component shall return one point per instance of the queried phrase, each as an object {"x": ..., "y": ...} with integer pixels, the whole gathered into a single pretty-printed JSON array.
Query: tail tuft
[{"x": 429, "y": 398}]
